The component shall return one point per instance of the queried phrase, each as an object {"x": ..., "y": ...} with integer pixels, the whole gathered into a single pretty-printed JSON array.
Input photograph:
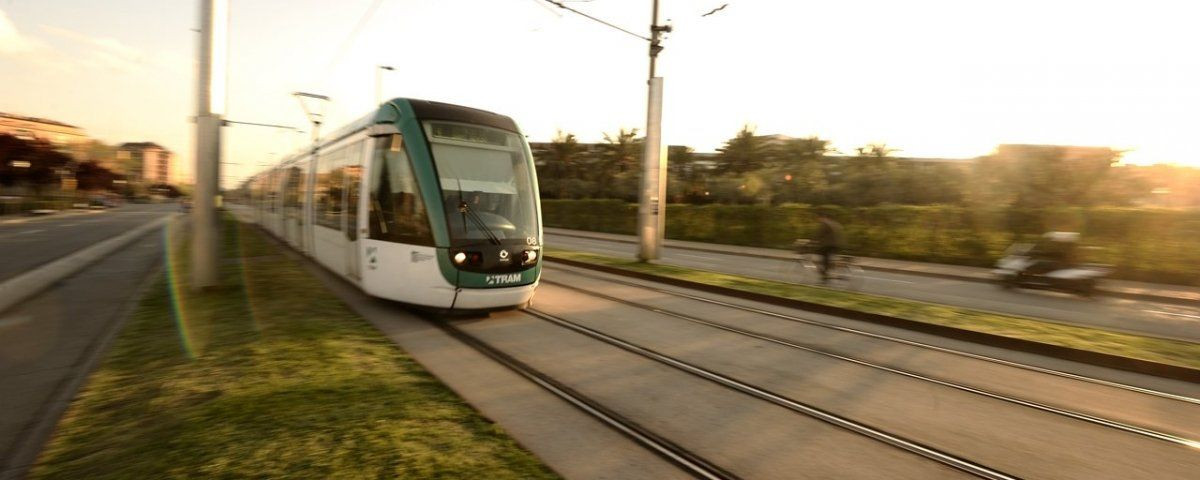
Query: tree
[
  {"x": 619, "y": 156},
  {"x": 104, "y": 155},
  {"x": 35, "y": 164},
  {"x": 1040, "y": 176},
  {"x": 686, "y": 183},
  {"x": 799, "y": 163},
  {"x": 877, "y": 150},
  {"x": 743, "y": 153},
  {"x": 92, "y": 176},
  {"x": 561, "y": 160},
  {"x": 870, "y": 177}
]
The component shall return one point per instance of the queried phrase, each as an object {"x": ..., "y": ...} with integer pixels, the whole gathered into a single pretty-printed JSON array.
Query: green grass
[
  {"x": 280, "y": 380},
  {"x": 1097, "y": 340}
]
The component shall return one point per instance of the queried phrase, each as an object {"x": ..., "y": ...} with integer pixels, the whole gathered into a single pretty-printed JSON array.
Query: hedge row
[{"x": 1154, "y": 245}]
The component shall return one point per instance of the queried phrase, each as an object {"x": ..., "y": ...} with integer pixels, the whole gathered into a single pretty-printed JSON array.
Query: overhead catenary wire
[
  {"x": 345, "y": 45},
  {"x": 563, "y": 6}
]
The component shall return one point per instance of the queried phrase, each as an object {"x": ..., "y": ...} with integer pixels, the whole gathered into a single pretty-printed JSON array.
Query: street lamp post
[{"x": 379, "y": 82}]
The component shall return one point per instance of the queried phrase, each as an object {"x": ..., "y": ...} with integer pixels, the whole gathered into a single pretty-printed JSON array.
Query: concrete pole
[
  {"x": 209, "y": 108},
  {"x": 652, "y": 204}
]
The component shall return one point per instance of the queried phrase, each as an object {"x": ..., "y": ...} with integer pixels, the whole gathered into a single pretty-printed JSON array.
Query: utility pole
[
  {"x": 653, "y": 193},
  {"x": 652, "y": 203},
  {"x": 210, "y": 106},
  {"x": 379, "y": 82}
]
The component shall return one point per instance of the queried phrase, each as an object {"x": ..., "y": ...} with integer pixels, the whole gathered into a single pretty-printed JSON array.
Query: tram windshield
[{"x": 487, "y": 183}]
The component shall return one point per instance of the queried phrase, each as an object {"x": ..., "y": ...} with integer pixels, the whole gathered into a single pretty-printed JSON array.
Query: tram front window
[{"x": 487, "y": 184}]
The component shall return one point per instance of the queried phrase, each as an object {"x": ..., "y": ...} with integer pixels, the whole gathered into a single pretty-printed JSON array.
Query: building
[
  {"x": 1065, "y": 152},
  {"x": 148, "y": 161},
  {"x": 67, "y": 138}
]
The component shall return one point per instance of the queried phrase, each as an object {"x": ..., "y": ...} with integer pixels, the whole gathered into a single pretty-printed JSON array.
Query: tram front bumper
[{"x": 489, "y": 298}]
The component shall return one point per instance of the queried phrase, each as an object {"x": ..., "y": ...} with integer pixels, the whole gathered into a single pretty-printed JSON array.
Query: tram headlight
[
  {"x": 460, "y": 257},
  {"x": 530, "y": 257}
]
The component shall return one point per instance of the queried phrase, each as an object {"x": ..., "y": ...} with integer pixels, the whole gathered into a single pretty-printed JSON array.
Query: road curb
[
  {"x": 28, "y": 284},
  {"x": 39, "y": 432},
  {"x": 1146, "y": 367},
  {"x": 945, "y": 276}
]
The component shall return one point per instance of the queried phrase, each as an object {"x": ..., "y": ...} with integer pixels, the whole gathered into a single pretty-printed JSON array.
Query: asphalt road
[
  {"x": 30, "y": 242},
  {"x": 1135, "y": 316},
  {"x": 49, "y": 341}
]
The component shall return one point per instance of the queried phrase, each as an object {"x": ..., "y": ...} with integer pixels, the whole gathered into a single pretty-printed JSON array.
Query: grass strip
[
  {"x": 271, "y": 376},
  {"x": 1097, "y": 340}
]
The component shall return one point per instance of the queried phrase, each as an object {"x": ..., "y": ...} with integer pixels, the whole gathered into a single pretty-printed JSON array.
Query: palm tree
[
  {"x": 743, "y": 153},
  {"x": 564, "y": 149},
  {"x": 619, "y": 155}
]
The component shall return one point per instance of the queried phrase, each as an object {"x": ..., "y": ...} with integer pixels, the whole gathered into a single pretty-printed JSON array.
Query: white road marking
[
  {"x": 888, "y": 279},
  {"x": 701, "y": 257},
  {"x": 1173, "y": 314}
]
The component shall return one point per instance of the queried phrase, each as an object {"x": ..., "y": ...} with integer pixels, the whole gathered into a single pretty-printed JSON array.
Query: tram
[{"x": 421, "y": 202}]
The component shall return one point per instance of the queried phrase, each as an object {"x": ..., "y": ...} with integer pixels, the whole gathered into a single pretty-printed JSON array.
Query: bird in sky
[{"x": 715, "y": 10}]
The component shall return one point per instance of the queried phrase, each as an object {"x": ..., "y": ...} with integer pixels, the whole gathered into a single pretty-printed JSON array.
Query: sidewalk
[{"x": 1118, "y": 288}]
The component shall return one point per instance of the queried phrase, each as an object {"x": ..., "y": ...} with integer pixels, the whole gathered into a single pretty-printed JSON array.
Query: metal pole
[
  {"x": 378, "y": 85},
  {"x": 379, "y": 82},
  {"x": 652, "y": 198},
  {"x": 209, "y": 108}
]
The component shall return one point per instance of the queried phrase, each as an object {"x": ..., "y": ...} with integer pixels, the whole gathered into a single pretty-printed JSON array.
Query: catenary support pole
[
  {"x": 210, "y": 99},
  {"x": 652, "y": 197}
]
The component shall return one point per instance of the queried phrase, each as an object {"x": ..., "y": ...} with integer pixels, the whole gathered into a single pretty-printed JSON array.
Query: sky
[{"x": 929, "y": 77}]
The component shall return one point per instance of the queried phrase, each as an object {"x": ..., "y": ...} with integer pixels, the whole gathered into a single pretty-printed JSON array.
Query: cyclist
[{"x": 829, "y": 240}]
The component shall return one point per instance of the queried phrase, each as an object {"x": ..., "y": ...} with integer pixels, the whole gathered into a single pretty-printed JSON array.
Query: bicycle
[{"x": 844, "y": 273}]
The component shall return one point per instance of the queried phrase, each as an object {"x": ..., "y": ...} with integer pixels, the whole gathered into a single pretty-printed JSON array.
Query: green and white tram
[{"x": 420, "y": 202}]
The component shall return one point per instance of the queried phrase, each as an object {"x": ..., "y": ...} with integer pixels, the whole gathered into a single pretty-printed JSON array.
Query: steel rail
[
  {"x": 889, "y": 338},
  {"x": 911, "y": 446},
  {"x": 681, "y": 457},
  {"x": 1104, "y": 422}
]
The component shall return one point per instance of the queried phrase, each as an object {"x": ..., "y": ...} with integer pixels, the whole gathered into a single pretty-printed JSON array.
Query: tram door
[
  {"x": 292, "y": 223},
  {"x": 353, "y": 188}
]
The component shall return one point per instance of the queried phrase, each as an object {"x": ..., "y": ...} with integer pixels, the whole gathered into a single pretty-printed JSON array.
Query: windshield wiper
[{"x": 467, "y": 212}]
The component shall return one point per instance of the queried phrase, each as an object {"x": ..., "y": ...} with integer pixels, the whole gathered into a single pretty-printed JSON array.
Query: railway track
[
  {"x": 690, "y": 462},
  {"x": 700, "y": 467},
  {"x": 878, "y": 336},
  {"x": 764, "y": 394},
  {"x": 680, "y": 456},
  {"x": 1113, "y": 424}
]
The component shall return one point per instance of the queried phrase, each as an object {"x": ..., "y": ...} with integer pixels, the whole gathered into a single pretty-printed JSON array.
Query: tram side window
[
  {"x": 353, "y": 175},
  {"x": 291, "y": 192},
  {"x": 274, "y": 185},
  {"x": 397, "y": 212},
  {"x": 328, "y": 192},
  {"x": 301, "y": 189}
]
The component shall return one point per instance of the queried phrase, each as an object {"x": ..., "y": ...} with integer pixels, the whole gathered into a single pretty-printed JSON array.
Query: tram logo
[
  {"x": 503, "y": 255},
  {"x": 503, "y": 279}
]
